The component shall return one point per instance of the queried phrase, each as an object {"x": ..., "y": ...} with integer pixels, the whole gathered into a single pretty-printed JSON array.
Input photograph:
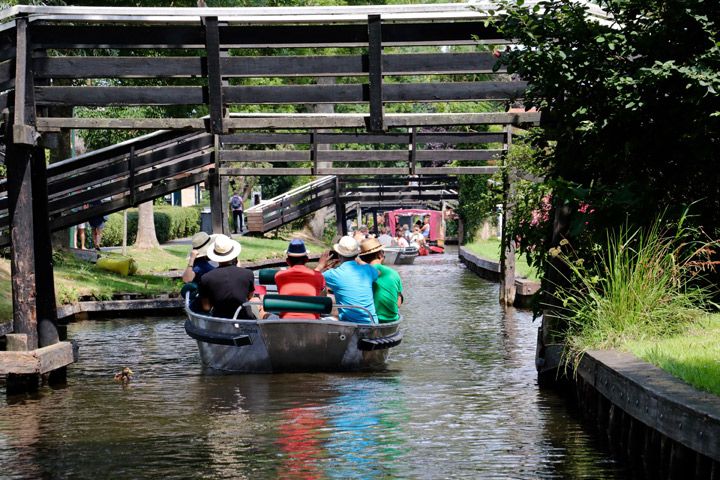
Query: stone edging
[
  {"x": 490, "y": 270},
  {"x": 656, "y": 398}
]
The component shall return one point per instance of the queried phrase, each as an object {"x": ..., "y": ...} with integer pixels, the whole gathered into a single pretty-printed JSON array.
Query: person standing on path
[{"x": 236, "y": 206}]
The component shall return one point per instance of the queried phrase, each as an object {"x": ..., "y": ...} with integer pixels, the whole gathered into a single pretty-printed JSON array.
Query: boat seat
[
  {"x": 266, "y": 276},
  {"x": 273, "y": 303}
]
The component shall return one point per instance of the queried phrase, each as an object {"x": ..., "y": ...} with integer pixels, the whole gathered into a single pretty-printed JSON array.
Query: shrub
[
  {"x": 641, "y": 287},
  {"x": 170, "y": 223}
]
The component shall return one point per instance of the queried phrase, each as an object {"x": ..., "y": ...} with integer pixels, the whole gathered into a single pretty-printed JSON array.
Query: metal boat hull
[
  {"x": 400, "y": 256},
  {"x": 269, "y": 346}
]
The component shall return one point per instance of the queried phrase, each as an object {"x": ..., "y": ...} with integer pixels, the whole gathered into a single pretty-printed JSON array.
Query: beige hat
[
  {"x": 347, "y": 247},
  {"x": 200, "y": 242},
  {"x": 223, "y": 249},
  {"x": 370, "y": 245}
]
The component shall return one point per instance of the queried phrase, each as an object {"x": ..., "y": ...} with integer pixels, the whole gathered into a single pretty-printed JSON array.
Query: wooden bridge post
[
  {"x": 377, "y": 115},
  {"x": 340, "y": 219},
  {"x": 507, "y": 254},
  {"x": 31, "y": 257}
]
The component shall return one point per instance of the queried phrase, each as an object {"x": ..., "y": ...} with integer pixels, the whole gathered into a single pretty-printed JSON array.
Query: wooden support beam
[
  {"x": 340, "y": 222},
  {"x": 57, "y": 37},
  {"x": 44, "y": 275},
  {"x": 18, "y": 159},
  {"x": 24, "y": 112},
  {"x": 374, "y": 93},
  {"x": 216, "y": 201},
  {"x": 214, "y": 75},
  {"x": 276, "y": 121},
  {"x": 507, "y": 254},
  {"x": 375, "y": 89},
  {"x": 37, "y": 361},
  {"x": 79, "y": 67},
  {"x": 412, "y": 146}
]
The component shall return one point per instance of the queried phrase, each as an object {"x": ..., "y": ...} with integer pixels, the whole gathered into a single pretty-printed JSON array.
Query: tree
[{"x": 631, "y": 111}]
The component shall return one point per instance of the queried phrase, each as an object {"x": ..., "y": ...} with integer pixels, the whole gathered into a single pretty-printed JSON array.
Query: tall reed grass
[{"x": 639, "y": 287}]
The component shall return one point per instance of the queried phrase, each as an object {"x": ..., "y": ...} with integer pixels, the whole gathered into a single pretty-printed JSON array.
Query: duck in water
[{"x": 123, "y": 376}]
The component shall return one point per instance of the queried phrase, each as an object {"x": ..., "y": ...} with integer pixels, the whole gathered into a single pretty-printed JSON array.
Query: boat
[
  {"x": 277, "y": 345},
  {"x": 400, "y": 255}
]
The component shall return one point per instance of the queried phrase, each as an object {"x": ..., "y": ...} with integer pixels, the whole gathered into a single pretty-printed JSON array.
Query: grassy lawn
[
  {"x": 693, "y": 356},
  {"x": 75, "y": 278},
  {"x": 490, "y": 249}
]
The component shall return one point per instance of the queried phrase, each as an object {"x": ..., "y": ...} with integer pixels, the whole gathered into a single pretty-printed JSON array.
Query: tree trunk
[{"x": 146, "y": 237}]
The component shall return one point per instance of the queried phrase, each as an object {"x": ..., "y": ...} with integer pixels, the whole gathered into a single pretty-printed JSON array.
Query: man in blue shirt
[{"x": 350, "y": 282}]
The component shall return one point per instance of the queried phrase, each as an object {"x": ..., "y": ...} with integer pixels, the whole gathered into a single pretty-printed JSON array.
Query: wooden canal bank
[
  {"x": 490, "y": 270},
  {"x": 661, "y": 427}
]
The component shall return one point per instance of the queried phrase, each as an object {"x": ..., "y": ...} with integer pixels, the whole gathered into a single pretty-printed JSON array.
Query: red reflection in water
[{"x": 301, "y": 441}]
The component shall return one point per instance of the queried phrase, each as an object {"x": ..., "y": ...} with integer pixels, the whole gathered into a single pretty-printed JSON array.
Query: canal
[{"x": 459, "y": 400}]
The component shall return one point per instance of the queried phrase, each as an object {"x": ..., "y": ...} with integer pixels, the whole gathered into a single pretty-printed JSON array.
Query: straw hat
[
  {"x": 347, "y": 247},
  {"x": 370, "y": 245},
  {"x": 200, "y": 242},
  {"x": 223, "y": 249},
  {"x": 296, "y": 248}
]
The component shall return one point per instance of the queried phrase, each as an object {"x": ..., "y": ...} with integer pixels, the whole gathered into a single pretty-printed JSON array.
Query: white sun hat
[
  {"x": 347, "y": 247},
  {"x": 223, "y": 249}
]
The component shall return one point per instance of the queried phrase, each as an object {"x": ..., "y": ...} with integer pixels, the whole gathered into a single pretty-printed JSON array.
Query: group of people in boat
[
  {"x": 352, "y": 272},
  {"x": 404, "y": 237}
]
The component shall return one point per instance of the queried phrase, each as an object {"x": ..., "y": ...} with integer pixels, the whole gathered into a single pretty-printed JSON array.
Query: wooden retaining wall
[
  {"x": 490, "y": 270},
  {"x": 663, "y": 427}
]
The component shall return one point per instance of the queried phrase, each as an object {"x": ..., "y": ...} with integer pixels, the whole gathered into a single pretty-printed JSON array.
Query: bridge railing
[
  {"x": 296, "y": 203},
  {"x": 121, "y": 176}
]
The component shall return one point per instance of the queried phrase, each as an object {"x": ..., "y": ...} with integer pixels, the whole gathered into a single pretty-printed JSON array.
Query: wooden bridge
[
  {"x": 207, "y": 58},
  {"x": 350, "y": 193}
]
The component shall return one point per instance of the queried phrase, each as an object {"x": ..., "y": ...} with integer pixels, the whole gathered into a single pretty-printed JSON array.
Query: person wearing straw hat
[
  {"x": 227, "y": 287},
  {"x": 350, "y": 282},
  {"x": 387, "y": 289},
  {"x": 298, "y": 279},
  {"x": 198, "y": 262}
]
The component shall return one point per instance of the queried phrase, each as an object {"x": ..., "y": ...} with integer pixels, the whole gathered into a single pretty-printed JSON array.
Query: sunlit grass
[
  {"x": 693, "y": 355},
  {"x": 490, "y": 250}
]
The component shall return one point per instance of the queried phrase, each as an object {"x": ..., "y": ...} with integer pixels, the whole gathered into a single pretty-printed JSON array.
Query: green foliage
[
  {"x": 636, "y": 288},
  {"x": 631, "y": 110},
  {"x": 170, "y": 223}
]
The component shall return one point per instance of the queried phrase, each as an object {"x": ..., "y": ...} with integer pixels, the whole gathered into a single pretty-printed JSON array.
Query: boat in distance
[
  {"x": 400, "y": 255},
  {"x": 276, "y": 345}
]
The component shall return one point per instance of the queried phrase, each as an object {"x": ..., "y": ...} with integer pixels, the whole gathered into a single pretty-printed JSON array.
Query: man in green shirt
[{"x": 387, "y": 289}]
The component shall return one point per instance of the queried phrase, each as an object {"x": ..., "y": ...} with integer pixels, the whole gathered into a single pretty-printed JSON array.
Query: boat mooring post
[{"x": 507, "y": 254}]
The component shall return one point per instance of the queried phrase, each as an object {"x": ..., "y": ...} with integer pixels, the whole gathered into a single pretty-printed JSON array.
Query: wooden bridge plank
[
  {"x": 259, "y": 36},
  {"x": 273, "y": 121},
  {"x": 247, "y": 66},
  {"x": 284, "y": 94}
]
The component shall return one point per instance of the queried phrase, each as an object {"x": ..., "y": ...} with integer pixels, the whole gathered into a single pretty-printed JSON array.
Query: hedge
[{"x": 170, "y": 223}]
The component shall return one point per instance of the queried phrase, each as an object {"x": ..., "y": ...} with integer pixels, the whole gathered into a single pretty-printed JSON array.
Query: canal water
[{"x": 459, "y": 400}]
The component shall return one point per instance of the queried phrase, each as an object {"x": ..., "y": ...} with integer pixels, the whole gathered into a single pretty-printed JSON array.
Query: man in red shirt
[{"x": 299, "y": 279}]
